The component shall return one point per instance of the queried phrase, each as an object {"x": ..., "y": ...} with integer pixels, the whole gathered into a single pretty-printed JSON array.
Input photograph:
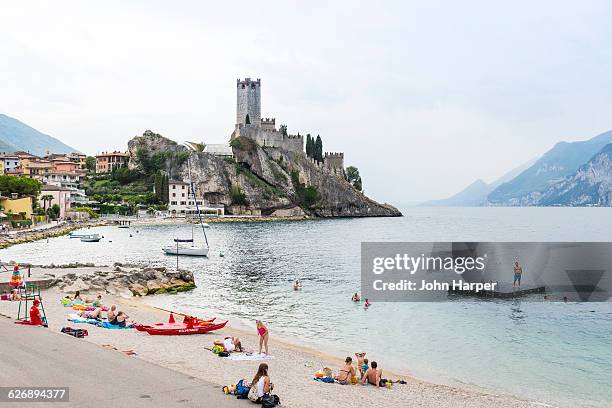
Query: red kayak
[{"x": 174, "y": 329}]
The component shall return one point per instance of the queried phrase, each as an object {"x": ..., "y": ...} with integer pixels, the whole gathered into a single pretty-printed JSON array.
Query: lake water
[{"x": 552, "y": 352}]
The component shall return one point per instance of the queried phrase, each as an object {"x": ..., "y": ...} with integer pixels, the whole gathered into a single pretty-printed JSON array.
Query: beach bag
[
  {"x": 270, "y": 401},
  {"x": 242, "y": 388},
  {"x": 253, "y": 393},
  {"x": 223, "y": 354}
]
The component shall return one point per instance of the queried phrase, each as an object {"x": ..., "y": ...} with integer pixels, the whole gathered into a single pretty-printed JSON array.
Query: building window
[
  {"x": 183, "y": 187},
  {"x": 182, "y": 194},
  {"x": 182, "y": 202},
  {"x": 172, "y": 202},
  {"x": 173, "y": 194},
  {"x": 173, "y": 187}
]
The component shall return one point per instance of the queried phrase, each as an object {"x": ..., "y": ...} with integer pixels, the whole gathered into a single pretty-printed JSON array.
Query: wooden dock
[{"x": 504, "y": 290}]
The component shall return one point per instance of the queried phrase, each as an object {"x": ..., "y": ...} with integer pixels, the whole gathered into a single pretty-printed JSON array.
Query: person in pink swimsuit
[{"x": 264, "y": 334}]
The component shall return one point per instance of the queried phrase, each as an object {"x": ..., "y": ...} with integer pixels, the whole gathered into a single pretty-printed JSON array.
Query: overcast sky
[{"x": 424, "y": 97}]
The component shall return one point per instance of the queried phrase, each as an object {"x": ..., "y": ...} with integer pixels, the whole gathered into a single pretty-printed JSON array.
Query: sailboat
[{"x": 187, "y": 246}]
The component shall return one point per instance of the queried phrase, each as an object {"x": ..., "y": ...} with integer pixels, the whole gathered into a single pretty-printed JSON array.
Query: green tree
[
  {"x": 318, "y": 149},
  {"x": 22, "y": 186},
  {"x": 283, "y": 130},
  {"x": 308, "y": 145},
  {"x": 237, "y": 195},
  {"x": 54, "y": 212},
  {"x": 46, "y": 199},
  {"x": 90, "y": 163},
  {"x": 353, "y": 177}
]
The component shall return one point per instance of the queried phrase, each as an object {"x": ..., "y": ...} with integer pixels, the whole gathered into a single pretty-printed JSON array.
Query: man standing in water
[{"x": 518, "y": 272}]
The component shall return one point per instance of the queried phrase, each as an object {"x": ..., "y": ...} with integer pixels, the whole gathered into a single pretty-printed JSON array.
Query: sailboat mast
[{"x": 195, "y": 200}]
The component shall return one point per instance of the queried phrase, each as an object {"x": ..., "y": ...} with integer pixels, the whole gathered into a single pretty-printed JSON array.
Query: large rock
[{"x": 138, "y": 281}]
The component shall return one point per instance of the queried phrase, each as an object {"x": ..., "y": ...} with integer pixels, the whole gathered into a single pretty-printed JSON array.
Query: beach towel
[
  {"x": 325, "y": 380},
  {"x": 248, "y": 357},
  {"x": 75, "y": 318},
  {"x": 107, "y": 325}
]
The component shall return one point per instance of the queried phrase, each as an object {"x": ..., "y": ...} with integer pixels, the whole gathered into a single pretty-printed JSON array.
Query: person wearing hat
[{"x": 35, "y": 319}]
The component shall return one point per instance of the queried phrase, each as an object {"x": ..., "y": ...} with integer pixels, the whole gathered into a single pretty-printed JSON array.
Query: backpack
[
  {"x": 270, "y": 401},
  {"x": 253, "y": 393}
]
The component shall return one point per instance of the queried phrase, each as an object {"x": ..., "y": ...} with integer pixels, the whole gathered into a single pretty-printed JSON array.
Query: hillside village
[{"x": 151, "y": 176}]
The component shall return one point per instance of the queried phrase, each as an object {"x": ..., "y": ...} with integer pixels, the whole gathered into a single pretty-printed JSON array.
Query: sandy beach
[{"x": 291, "y": 366}]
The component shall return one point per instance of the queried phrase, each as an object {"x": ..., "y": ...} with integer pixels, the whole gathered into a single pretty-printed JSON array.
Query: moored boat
[{"x": 91, "y": 238}]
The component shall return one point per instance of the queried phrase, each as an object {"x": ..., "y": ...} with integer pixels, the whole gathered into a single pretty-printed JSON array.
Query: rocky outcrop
[
  {"x": 264, "y": 181},
  {"x": 127, "y": 282}
]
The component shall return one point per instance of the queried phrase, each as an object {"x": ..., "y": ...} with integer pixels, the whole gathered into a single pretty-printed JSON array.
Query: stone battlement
[
  {"x": 333, "y": 154},
  {"x": 248, "y": 81}
]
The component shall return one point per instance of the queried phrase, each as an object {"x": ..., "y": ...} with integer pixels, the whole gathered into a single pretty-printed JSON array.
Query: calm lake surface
[{"x": 552, "y": 352}]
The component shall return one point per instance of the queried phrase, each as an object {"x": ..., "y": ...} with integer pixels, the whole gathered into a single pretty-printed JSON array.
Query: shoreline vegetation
[{"x": 292, "y": 364}]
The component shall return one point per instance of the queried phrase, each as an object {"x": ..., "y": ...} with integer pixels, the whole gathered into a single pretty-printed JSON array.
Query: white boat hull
[
  {"x": 186, "y": 250},
  {"x": 91, "y": 238}
]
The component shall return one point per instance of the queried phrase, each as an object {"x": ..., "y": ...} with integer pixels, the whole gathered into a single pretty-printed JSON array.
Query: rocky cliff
[
  {"x": 591, "y": 184},
  {"x": 267, "y": 181}
]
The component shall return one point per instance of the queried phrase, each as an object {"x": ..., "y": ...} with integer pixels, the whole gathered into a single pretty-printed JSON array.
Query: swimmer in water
[
  {"x": 356, "y": 297},
  {"x": 366, "y": 304},
  {"x": 297, "y": 285}
]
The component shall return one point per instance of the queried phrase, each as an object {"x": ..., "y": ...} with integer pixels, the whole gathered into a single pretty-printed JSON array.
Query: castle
[{"x": 263, "y": 131}]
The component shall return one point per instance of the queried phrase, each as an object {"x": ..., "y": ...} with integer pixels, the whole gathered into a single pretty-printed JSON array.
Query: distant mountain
[
  {"x": 591, "y": 184},
  {"x": 561, "y": 161},
  {"x": 16, "y": 135},
  {"x": 476, "y": 193}
]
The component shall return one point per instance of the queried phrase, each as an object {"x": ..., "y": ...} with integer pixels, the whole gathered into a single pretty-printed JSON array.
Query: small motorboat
[
  {"x": 179, "y": 329},
  {"x": 91, "y": 238},
  {"x": 73, "y": 235}
]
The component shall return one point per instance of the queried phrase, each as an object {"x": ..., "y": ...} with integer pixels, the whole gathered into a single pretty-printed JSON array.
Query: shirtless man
[
  {"x": 374, "y": 376},
  {"x": 518, "y": 271},
  {"x": 346, "y": 373}
]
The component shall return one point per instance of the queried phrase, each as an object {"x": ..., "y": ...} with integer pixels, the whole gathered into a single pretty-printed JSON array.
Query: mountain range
[
  {"x": 570, "y": 174},
  {"x": 17, "y": 136}
]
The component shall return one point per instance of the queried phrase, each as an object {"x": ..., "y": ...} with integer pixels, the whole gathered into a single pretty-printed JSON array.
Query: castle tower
[{"x": 248, "y": 102}]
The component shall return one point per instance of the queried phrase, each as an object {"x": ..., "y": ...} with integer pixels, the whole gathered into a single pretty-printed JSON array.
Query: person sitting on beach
[
  {"x": 262, "y": 382},
  {"x": 230, "y": 344},
  {"x": 35, "y": 319},
  {"x": 346, "y": 373},
  {"x": 15, "y": 295},
  {"x": 264, "y": 335},
  {"x": 518, "y": 271},
  {"x": 120, "y": 319},
  {"x": 360, "y": 359},
  {"x": 374, "y": 376},
  {"x": 297, "y": 285},
  {"x": 111, "y": 314},
  {"x": 356, "y": 297}
]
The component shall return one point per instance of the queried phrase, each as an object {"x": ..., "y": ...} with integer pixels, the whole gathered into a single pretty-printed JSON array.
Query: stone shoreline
[{"x": 30, "y": 235}]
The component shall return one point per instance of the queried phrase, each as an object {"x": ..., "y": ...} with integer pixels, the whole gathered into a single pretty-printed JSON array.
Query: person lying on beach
[
  {"x": 264, "y": 335},
  {"x": 374, "y": 376},
  {"x": 262, "y": 382},
  {"x": 346, "y": 373},
  {"x": 356, "y": 297},
  {"x": 297, "y": 285},
  {"x": 229, "y": 344}
]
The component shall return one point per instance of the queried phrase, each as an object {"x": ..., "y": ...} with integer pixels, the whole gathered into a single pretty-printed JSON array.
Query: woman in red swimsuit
[{"x": 264, "y": 334}]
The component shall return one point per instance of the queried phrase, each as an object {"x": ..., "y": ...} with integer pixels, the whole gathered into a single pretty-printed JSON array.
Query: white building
[
  {"x": 182, "y": 205},
  {"x": 220, "y": 150}
]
